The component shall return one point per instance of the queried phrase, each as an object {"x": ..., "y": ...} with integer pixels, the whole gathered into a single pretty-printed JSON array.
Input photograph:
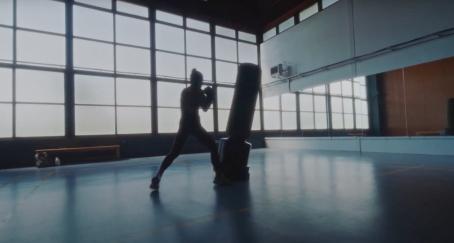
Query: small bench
[
  {"x": 55, "y": 156},
  {"x": 428, "y": 133}
]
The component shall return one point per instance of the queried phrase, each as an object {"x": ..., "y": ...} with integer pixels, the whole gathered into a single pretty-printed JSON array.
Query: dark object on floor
[
  {"x": 57, "y": 156},
  {"x": 155, "y": 183},
  {"x": 235, "y": 149}
]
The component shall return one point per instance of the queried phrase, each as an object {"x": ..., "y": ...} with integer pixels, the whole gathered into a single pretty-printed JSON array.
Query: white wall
[{"x": 352, "y": 28}]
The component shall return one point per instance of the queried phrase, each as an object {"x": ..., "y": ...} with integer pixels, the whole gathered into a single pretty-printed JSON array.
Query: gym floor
[{"x": 292, "y": 196}]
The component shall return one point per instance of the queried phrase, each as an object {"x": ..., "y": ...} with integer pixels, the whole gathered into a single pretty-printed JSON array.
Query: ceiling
[{"x": 247, "y": 15}]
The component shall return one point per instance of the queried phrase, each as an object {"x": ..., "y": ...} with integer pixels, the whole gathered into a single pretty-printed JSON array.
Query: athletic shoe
[
  {"x": 221, "y": 180},
  {"x": 155, "y": 183}
]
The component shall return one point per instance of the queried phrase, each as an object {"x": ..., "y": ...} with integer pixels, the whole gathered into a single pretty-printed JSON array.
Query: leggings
[{"x": 195, "y": 129}]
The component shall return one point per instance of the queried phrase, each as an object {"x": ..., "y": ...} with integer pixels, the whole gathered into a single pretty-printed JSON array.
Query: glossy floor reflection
[{"x": 293, "y": 196}]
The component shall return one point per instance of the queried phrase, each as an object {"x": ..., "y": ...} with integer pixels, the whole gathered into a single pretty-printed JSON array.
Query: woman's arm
[{"x": 207, "y": 98}]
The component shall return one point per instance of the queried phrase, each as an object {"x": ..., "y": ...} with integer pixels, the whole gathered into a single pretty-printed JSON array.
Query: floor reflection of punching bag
[
  {"x": 450, "y": 129},
  {"x": 235, "y": 149}
]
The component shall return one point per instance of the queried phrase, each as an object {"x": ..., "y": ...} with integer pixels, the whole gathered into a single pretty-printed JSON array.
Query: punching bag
[{"x": 234, "y": 149}]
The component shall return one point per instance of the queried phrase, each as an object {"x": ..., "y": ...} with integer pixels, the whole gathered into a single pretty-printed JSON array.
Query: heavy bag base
[{"x": 234, "y": 158}]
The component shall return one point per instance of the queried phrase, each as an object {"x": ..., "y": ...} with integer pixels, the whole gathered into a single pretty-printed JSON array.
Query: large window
[
  {"x": 342, "y": 105},
  {"x": 313, "y": 109},
  {"x": 272, "y": 113},
  {"x": 327, "y": 3},
  {"x": 286, "y": 24},
  {"x": 179, "y": 49},
  {"x": 289, "y": 111},
  {"x": 115, "y": 61},
  {"x": 169, "y": 106},
  {"x": 32, "y": 97},
  {"x": 339, "y": 106},
  {"x": 232, "y": 48},
  {"x": 269, "y": 34},
  {"x": 308, "y": 12},
  {"x": 117, "y": 99}
]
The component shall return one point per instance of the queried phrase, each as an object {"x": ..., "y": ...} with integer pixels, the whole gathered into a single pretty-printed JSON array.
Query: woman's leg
[
  {"x": 205, "y": 138},
  {"x": 174, "y": 152}
]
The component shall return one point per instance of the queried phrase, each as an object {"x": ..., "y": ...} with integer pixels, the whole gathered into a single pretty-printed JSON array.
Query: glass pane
[
  {"x": 319, "y": 103},
  {"x": 338, "y": 121},
  {"x": 133, "y": 92},
  {"x": 93, "y": 24},
  {"x": 95, "y": 120},
  {"x": 133, "y": 120},
  {"x": 226, "y": 72},
  {"x": 40, "y": 120},
  {"x": 247, "y": 37},
  {"x": 364, "y": 122},
  {"x": 225, "y": 97},
  {"x": 247, "y": 53},
  {"x": 206, "y": 119},
  {"x": 39, "y": 86},
  {"x": 271, "y": 103},
  {"x": 286, "y": 24},
  {"x": 196, "y": 24},
  {"x": 202, "y": 65},
  {"x": 130, "y": 8},
  {"x": 169, "y": 18},
  {"x": 347, "y": 89},
  {"x": 289, "y": 121},
  {"x": 288, "y": 102},
  {"x": 223, "y": 118},
  {"x": 365, "y": 107},
  {"x": 168, "y": 120},
  {"x": 348, "y": 121},
  {"x": 169, "y": 93},
  {"x": 335, "y": 88},
  {"x": 97, "y": 3},
  {"x": 94, "y": 90},
  {"x": 270, "y": 33},
  {"x": 357, "y": 89},
  {"x": 326, "y": 3},
  {"x": 361, "y": 80},
  {"x": 41, "y": 15},
  {"x": 225, "y": 31},
  {"x": 358, "y": 107},
  {"x": 170, "y": 65},
  {"x": 133, "y": 60},
  {"x": 93, "y": 55},
  {"x": 361, "y": 107},
  {"x": 320, "y": 89},
  {"x": 348, "y": 105},
  {"x": 6, "y": 121},
  {"x": 41, "y": 48},
  {"x": 306, "y": 102},
  {"x": 132, "y": 31},
  {"x": 308, "y": 12},
  {"x": 6, "y": 84},
  {"x": 336, "y": 104},
  {"x": 321, "y": 121},
  {"x": 272, "y": 120},
  {"x": 6, "y": 12},
  {"x": 363, "y": 92},
  {"x": 256, "y": 121},
  {"x": 226, "y": 49},
  {"x": 307, "y": 120},
  {"x": 6, "y": 48},
  {"x": 198, "y": 44},
  {"x": 169, "y": 38}
]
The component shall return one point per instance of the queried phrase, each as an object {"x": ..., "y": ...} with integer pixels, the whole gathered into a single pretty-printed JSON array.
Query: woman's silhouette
[{"x": 192, "y": 98}]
